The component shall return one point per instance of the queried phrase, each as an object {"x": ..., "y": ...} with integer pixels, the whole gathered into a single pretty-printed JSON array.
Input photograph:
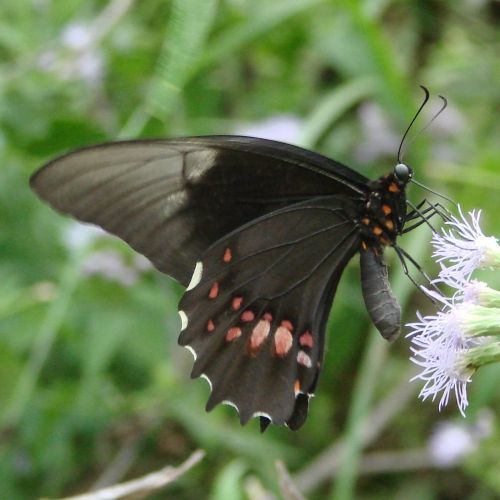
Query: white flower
[
  {"x": 452, "y": 344},
  {"x": 78, "y": 236},
  {"x": 77, "y": 36},
  {"x": 450, "y": 443},
  {"x": 110, "y": 265},
  {"x": 440, "y": 345},
  {"x": 463, "y": 248},
  {"x": 285, "y": 128},
  {"x": 440, "y": 358}
]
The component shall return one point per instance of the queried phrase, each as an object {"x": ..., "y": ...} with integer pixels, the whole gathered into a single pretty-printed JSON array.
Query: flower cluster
[{"x": 452, "y": 344}]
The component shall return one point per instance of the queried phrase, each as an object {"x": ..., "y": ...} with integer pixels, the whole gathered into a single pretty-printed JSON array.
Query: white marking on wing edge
[
  {"x": 230, "y": 403},
  {"x": 184, "y": 320},
  {"x": 204, "y": 376},
  {"x": 192, "y": 351},
  {"x": 196, "y": 278},
  {"x": 262, "y": 414}
]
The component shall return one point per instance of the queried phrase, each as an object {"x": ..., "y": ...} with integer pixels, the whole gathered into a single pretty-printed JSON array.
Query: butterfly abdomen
[{"x": 381, "y": 304}]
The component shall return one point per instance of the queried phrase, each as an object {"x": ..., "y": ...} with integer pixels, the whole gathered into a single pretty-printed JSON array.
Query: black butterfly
[{"x": 259, "y": 232}]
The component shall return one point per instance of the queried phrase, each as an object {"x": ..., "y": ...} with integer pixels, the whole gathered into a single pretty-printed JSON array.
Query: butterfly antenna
[
  {"x": 423, "y": 186},
  {"x": 426, "y": 98},
  {"x": 444, "y": 105}
]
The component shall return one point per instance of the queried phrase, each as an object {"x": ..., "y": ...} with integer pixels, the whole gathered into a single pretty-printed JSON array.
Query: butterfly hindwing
[
  {"x": 255, "y": 311},
  {"x": 172, "y": 199}
]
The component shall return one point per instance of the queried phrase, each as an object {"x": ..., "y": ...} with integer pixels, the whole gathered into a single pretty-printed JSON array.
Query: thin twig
[
  {"x": 119, "y": 465},
  {"x": 289, "y": 490},
  {"x": 320, "y": 470},
  {"x": 139, "y": 488}
]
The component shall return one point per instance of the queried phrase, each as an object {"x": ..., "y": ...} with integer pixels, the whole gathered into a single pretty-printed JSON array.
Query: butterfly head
[{"x": 403, "y": 174}]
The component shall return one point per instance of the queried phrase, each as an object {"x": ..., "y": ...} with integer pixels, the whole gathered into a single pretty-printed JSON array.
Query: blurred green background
[{"x": 93, "y": 386}]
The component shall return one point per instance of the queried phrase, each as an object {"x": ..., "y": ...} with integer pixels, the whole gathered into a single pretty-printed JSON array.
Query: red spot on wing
[
  {"x": 287, "y": 324},
  {"x": 283, "y": 341},
  {"x": 227, "y": 255},
  {"x": 233, "y": 333},
  {"x": 236, "y": 303},
  {"x": 214, "y": 291},
  {"x": 210, "y": 326},
  {"x": 268, "y": 317},
  {"x": 247, "y": 316},
  {"x": 260, "y": 333},
  {"x": 306, "y": 339}
]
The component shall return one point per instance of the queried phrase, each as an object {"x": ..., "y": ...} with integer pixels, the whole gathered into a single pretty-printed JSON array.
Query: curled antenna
[
  {"x": 426, "y": 98},
  {"x": 431, "y": 121}
]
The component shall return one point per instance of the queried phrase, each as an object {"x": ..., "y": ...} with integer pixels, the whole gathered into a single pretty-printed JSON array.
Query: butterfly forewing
[
  {"x": 254, "y": 316},
  {"x": 171, "y": 199}
]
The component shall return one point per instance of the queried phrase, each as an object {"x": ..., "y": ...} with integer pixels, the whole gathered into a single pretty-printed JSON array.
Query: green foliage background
[{"x": 90, "y": 372}]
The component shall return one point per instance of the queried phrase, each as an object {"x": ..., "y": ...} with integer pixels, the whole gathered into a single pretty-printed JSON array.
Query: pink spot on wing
[
  {"x": 247, "y": 316},
  {"x": 303, "y": 359},
  {"x": 214, "y": 291},
  {"x": 287, "y": 324},
  {"x": 306, "y": 339},
  {"x": 260, "y": 333},
  {"x": 236, "y": 303},
  {"x": 283, "y": 341},
  {"x": 210, "y": 326},
  {"x": 227, "y": 255},
  {"x": 233, "y": 333},
  {"x": 268, "y": 317}
]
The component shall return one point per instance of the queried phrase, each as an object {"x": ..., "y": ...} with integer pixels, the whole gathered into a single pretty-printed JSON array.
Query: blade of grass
[
  {"x": 43, "y": 342},
  {"x": 333, "y": 106},
  {"x": 392, "y": 87},
  {"x": 235, "y": 38},
  {"x": 187, "y": 30},
  {"x": 366, "y": 382}
]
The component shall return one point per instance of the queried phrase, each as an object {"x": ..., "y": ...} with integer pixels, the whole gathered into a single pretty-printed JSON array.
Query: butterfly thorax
[{"x": 384, "y": 213}]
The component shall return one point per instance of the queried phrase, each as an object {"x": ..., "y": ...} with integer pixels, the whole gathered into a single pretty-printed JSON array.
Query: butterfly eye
[{"x": 403, "y": 172}]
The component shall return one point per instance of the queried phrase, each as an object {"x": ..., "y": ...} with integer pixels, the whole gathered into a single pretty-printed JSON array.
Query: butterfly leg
[{"x": 403, "y": 255}]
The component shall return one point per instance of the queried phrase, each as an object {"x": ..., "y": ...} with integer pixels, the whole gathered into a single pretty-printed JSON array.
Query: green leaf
[{"x": 227, "y": 484}]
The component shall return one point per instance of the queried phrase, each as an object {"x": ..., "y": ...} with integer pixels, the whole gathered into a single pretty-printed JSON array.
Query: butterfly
[{"x": 259, "y": 232}]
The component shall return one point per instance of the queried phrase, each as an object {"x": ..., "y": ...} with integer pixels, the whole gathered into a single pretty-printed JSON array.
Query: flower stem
[
  {"x": 479, "y": 321},
  {"x": 481, "y": 355}
]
